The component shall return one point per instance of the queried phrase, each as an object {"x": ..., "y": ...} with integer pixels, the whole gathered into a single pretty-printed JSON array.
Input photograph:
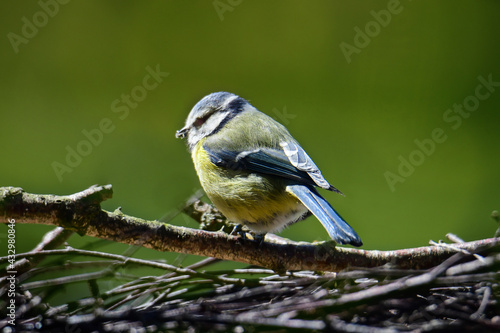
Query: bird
[{"x": 253, "y": 170}]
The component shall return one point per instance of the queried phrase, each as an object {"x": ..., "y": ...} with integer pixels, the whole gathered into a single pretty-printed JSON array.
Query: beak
[{"x": 182, "y": 132}]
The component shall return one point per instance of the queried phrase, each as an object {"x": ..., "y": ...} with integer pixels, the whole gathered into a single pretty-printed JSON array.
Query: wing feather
[
  {"x": 338, "y": 229},
  {"x": 299, "y": 159},
  {"x": 291, "y": 162}
]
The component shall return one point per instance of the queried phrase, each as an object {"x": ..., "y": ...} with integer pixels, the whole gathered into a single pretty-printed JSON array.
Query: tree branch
[{"x": 81, "y": 212}]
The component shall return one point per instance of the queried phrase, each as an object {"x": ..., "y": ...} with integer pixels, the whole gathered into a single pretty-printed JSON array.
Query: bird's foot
[
  {"x": 259, "y": 238},
  {"x": 238, "y": 229}
]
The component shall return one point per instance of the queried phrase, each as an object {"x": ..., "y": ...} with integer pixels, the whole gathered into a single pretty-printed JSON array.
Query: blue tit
[{"x": 254, "y": 171}]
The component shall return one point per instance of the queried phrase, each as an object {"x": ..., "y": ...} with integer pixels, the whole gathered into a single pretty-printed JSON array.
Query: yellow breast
[{"x": 257, "y": 200}]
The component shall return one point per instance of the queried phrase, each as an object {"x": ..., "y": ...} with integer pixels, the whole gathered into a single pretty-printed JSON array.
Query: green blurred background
[{"x": 355, "y": 115}]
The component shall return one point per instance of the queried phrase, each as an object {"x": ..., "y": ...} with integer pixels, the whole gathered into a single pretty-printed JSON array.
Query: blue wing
[
  {"x": 337, "y": 228},
  {"x": 292, "y": 162},
  {"x": 299, "y": 159}
]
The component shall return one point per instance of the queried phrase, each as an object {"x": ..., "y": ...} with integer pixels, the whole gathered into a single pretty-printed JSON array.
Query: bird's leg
[
  {"x": 238, "y": 229},
  {"x": 259, "y": 238}
]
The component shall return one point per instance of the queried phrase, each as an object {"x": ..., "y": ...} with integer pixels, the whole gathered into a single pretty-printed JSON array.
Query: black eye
[{"x": 201, "y": 120}]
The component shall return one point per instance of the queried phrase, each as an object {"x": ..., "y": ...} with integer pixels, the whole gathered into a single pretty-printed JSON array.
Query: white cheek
[{"x": 193, "y": 137}]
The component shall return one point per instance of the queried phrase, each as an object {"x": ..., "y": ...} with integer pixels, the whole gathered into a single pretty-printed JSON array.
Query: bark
[{"x": 81, "y": 212}]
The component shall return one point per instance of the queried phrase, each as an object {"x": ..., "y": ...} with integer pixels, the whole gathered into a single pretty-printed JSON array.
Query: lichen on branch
[{"x": 81, "y": 212}]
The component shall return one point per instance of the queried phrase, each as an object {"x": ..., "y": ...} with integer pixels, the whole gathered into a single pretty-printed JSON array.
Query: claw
[
  {"x": 238, "y": 229},
  {"x": 259, "y": 238}
]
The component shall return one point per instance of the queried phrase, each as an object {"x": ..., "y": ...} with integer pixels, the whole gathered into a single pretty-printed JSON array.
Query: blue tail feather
[{"x": 337, "y": 228}]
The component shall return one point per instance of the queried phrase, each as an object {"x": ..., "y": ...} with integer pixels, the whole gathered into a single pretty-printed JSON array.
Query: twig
[
  {"x": 423, "y": 301},
  {"x": 67, "y": 279},
  {"x": 483, "y": 305},
  {"x": 124, "y": 259},
  {"x": 81, "y": 212},
  {"x": 51, "y": 240}
]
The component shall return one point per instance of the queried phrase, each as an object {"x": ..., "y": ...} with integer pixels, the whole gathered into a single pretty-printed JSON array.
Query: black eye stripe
[
  {"x": 237, "y": 104},
  {"x": 201, "y": 120}
]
